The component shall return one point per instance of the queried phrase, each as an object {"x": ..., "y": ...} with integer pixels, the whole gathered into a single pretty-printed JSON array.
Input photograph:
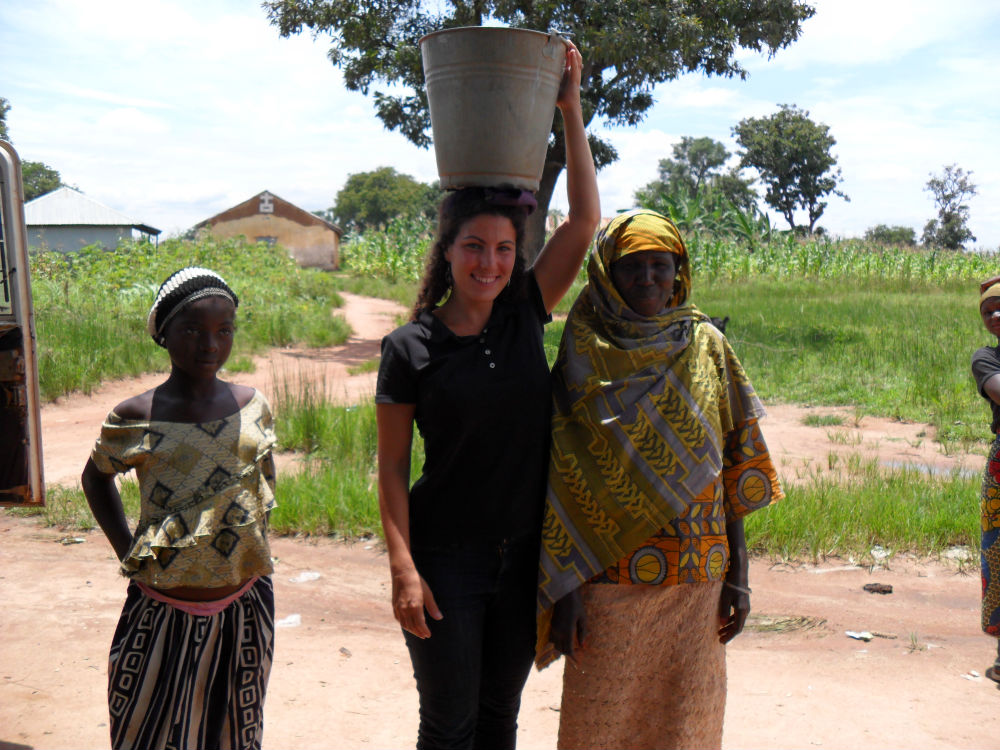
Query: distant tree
[
  {"x": 38, "y": 179},
  {"x": 882, "y": 234},
  {"x": 696, "y": 171},
  {"x": 628, "y": 47},
  {"x": 371, "y": 199},
  {"x": 792, "y": 155},
  {"x": 951, "y": 190},
  {"x": 4, "y": 109}
]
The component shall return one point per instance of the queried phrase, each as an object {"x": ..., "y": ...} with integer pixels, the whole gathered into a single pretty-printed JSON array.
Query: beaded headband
[{"x": 180, "y": 289}]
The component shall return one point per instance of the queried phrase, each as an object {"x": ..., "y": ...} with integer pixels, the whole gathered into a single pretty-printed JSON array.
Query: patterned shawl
[{"x": 642, "y": 406}]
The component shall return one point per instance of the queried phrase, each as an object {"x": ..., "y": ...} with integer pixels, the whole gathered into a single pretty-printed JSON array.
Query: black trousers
[{"x": 471, "y": 671}]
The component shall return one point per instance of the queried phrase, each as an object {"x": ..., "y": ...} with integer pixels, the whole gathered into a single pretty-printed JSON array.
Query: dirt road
[{"x": 341, "y": 675}]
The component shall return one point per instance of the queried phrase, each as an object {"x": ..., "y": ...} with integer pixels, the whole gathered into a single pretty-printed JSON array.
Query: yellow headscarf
[
  {"x": 989, "y": 288},
  {"x": 642, "y": 230}
]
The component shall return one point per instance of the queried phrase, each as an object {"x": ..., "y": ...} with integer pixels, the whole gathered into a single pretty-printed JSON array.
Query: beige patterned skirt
[{"x": 652, "y": 673}]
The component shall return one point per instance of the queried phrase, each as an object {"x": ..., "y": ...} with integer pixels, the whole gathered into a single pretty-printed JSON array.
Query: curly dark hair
[{"x": 455, "y": 210}]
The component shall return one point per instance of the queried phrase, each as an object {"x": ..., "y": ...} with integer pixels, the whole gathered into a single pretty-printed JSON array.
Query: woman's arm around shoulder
[
  {"x": 559, "y": 261},
  {"x": 410, "y": 593}
]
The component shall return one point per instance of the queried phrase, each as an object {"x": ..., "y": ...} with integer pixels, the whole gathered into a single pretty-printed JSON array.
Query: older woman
[{"x": 656, "y": 458}]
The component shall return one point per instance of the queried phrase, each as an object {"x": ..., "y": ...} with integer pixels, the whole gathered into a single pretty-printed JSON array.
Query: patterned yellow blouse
[
  {"x": 694, "y": 548},
  {"x": 206, "y": 488}
]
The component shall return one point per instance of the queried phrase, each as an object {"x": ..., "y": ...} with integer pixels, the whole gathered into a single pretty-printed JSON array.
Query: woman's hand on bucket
[
  {"x": 410, "y": 597},
  {"x": 569, "y": 89}
]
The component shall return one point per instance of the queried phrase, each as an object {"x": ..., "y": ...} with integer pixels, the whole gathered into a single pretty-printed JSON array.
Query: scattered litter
[
  {"x": 782, "y": 623},
  {"x": 345, "y": 651},
  {"x": 305, "y": 575},
  {"x": 971, "y": 676},
  {"x": 292, "y": 621},
  {"x": 879, "y": 552},
  {"x": 859, "y": 635},
  {"x": 974, "y": 673},
  {"x": 369, "y": 546},
  {"x": 878, "y": 588},
  {"x": 72, "y": 540}
]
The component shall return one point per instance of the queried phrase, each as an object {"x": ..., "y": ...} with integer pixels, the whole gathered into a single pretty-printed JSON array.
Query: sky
[{"x": 171, "y": 111}]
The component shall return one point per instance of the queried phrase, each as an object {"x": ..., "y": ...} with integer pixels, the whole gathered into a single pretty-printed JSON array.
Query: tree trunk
[{"x": 534, "y": 236}]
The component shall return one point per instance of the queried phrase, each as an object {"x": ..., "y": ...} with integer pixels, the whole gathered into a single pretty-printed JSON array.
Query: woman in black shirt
[
  {"x": 471, "y": 372},
  {"x": 986, "y": 370}
]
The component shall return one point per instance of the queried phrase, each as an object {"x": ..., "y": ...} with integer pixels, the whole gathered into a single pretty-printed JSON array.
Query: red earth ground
[{"x": 341, "y": 676}]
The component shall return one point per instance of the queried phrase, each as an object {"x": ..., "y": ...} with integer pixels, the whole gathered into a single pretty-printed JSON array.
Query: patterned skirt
[
  {"x": 652, "y": 674},
  {"x": 177, "y": 680},
  {"x": 989, "y": 508}
]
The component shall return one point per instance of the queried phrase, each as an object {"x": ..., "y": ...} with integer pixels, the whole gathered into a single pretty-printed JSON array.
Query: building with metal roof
[{"x": 66, "y": 220}]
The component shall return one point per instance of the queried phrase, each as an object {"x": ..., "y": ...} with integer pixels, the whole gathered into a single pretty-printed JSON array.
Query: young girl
[
  {"x": 192, "y": 652},
  {"x": 471, "y": 373},
  {"x": 986, "y": 370}
]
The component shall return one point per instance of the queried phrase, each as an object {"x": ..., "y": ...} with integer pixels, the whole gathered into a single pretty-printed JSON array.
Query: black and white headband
[{"x": 179, "y": 290}]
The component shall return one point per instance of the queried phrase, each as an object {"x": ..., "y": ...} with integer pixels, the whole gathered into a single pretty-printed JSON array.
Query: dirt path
[{"x": 342, "y": 677}]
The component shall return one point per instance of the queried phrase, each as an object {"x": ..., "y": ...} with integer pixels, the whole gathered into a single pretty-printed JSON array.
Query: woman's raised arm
[{"x": 559, "y": 261}]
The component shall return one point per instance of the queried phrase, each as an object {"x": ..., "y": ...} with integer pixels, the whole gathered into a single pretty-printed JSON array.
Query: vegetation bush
[{"x": 91, "y": 306}]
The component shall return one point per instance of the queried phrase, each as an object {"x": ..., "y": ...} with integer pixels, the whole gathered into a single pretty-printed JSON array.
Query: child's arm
[{"x": 106, "y": 505}]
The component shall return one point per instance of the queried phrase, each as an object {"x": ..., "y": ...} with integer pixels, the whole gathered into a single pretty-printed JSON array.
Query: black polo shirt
[
  {"x": 483, "y": 408},
  {"x": 986, "y": 364}
]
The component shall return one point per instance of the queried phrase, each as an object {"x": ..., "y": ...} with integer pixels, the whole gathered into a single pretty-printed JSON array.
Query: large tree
[
  {"x": 371, "y": 199},
  {"x": 951, "y": 189},
  {"x": 791, "y": 153},
  {"x": 628, "y": 46},
  {"x": 697, "y": 170}
]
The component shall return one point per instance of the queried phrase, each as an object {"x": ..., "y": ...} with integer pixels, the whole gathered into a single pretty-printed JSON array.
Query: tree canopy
[
  {"x": 697, "y": 170},
  {"x": 372, "y": 199},
  {"x": 791, "y": 153},
  {"x": 4, "y": 109},
  {"x": 951, "y": 189},
  {"x": 38, "y": 179},
  {"x": 628, "y": 47}
]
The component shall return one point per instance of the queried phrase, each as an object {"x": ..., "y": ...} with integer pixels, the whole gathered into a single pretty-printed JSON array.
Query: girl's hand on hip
[{"x": 410, "y": 597}]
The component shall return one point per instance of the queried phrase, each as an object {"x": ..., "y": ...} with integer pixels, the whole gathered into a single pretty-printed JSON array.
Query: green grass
[
  {"x": 822, "y": 420},
  {"x": 886, "y": 331},
  {"x": 91, "y": 306},
  {"x": 902, "y": 510}
]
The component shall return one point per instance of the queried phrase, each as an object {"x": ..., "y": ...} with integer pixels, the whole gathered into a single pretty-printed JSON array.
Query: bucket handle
[{"x": 555, "y": 43}]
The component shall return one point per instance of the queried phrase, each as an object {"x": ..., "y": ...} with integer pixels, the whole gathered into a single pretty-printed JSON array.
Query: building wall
[
  {"x": 311, "y": 247},
  {"x": 71, "y": 239}
]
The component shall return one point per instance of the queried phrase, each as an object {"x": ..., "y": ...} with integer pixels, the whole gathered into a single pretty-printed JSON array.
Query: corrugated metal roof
[{"x": 68, "y": 207}]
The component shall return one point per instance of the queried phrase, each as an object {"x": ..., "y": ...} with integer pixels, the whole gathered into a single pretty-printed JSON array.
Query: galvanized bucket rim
[{"x": 489, "y": 29}]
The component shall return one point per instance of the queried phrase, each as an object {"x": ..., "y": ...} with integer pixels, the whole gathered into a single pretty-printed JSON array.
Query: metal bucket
[{"x": 492, "y": 95}]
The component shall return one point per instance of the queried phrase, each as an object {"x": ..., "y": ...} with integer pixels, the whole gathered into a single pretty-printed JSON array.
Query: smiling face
[
  {"x": 200, "y": 337},
  {"x": 645, "y": 280},
  {"x": 482, "y": 257},
  {"x": 990, "y": 313}
]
